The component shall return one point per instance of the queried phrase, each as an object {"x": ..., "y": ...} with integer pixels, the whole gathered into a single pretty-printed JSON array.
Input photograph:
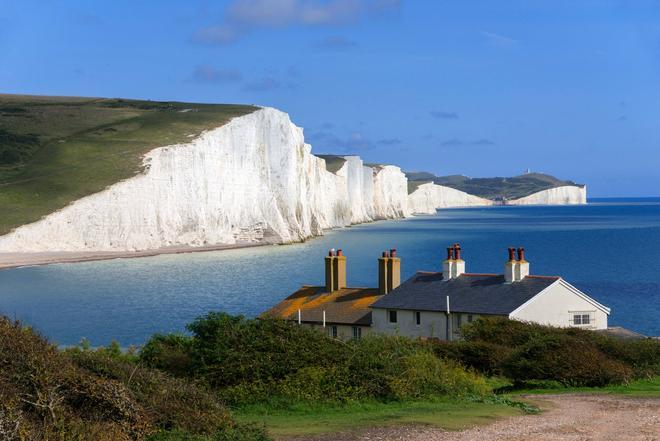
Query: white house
[{"x": 436, "y": 304}]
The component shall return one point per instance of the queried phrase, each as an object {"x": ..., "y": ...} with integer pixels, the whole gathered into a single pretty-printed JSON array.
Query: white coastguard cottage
[{"x": 436, "y": 304}]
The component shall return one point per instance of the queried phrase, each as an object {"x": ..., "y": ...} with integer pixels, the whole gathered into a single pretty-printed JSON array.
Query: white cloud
[
  {"x": 499, "y": 39},
  {"x": 243, "y": 16}
]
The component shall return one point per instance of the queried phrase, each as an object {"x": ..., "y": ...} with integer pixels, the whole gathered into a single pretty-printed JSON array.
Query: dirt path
[{"x": 565, "y": 418}]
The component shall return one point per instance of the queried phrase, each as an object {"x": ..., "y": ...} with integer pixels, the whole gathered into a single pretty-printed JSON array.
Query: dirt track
[{"x": 565, "y": 418}]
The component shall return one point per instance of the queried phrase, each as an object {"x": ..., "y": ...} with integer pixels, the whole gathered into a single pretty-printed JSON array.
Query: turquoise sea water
[{"x": 610, "y": 249}]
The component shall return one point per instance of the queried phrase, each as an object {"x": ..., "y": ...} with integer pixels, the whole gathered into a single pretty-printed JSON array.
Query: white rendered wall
[{"x": 555, "y": 307}]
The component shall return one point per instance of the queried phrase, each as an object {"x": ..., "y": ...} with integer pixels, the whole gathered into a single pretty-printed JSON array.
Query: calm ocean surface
[{"x": 610, "y": 249}]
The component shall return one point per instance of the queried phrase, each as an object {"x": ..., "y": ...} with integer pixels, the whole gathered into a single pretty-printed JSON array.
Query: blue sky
[{"x": 479, "y": 88}]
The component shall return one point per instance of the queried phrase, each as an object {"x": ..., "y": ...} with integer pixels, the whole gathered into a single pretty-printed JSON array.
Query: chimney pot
[
  {"x": 331, "y": 252},
  {"x": 393, "y": 252},
  {"x": 521, "y": 254},
  {"x": 512, "y": 254},
  {"x": 450, "y": 253},
  {"x": 340, "y": 253},
  {"x": 384, "y": 254},
  {"x": 457, "y": 252}
]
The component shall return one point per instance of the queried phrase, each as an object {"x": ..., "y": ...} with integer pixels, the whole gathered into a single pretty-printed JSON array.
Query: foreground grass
[
  {"x": 639, "y": 388},
  {"x": 54, "y": 150},
  {"x": 305, "y": 419}
]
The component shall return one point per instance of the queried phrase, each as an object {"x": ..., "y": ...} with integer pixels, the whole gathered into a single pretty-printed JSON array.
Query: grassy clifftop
[
  {"x": 491, "y": 188},
  {"x": 54, "y": 150}
]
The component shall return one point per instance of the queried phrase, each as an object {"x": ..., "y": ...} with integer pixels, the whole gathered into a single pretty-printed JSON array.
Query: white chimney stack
[
  {"x": 453, "y": 266},
  {"x": 522, "y": 269},
  {"x": 516, "y": 270},
  {"x": 459, "y": 264},
  {"x": 510, "y": 266},
  {"x": 448, "y": 264}
]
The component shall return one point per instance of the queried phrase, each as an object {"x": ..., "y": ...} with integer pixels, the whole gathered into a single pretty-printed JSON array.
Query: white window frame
[
  {"x": 579, "y": 323},
  {"x": 357, "y": 332}
]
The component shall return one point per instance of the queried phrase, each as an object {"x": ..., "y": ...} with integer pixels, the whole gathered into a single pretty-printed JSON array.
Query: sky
[{"x": 479, "y": 88}]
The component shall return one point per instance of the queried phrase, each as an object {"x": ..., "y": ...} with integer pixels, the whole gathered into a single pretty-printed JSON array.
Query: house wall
[
  {"x": 555, "y": 307},
  {"x": 433, "y": 324},
  {"x": 344, "y": 332}
]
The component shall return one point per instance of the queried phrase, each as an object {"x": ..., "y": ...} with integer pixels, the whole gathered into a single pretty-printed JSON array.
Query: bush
[
  {"x": 570, "y": 356},
  {"x": 230, "y": 350},
  {"x": 170, "y": 353},
  {"x": 424, "y": 375},
  {"x": 82, "y": 394},
  {"x": 482, "y": 356},
  {"x": 567, "y": 360},
  {"x": 50, "y": 397}
]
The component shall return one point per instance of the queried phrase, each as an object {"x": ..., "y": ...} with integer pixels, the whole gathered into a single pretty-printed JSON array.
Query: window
[
  {"x": 392, "y": 315},
  {"x": 333, "y": 331},
  {"x": 582, "y": 319},
  {"x": 418, "y": 318},
  {"x": 470, "y": 318},
  {"x": 357, "y": 332}
]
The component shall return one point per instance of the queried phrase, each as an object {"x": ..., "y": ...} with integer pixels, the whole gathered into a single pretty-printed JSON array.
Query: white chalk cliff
[
  {"x": 251, "y": 180},
  {"x": 427, "y": 198},
  {"x": 565, "y": 195}
]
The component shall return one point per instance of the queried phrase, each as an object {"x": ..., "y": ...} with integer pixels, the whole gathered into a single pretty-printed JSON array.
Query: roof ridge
[
  {"x": 481, "y": 274},
  {"x": 543, "y": 277}
]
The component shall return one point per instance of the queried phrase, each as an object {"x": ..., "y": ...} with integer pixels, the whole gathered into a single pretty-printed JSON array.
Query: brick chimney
[
  {"x": 330, "y": 271},
  {"x": 393, "y": 271},
  {"x": 459, "y": 263},
  {"x": 448, "y": 264},
  {"x": 383, "y": 272},
  {"x": 340, "y": 270},
  {"x": 522, "y": 269}
]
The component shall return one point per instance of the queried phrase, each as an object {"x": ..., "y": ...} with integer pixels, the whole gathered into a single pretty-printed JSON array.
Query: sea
[{"x": 609, "y": 249}]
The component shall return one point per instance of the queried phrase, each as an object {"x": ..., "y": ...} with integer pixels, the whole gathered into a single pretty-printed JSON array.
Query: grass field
[
  {"x": 307, "y": 420},
  {"x": 639, "y": 388},
  {"x": 54, "y": 150}
]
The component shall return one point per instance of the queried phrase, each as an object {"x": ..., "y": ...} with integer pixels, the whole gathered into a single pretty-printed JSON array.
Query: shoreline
[
  {"x": 10, "y": 260},
  {"x": 20, "y": 260}
]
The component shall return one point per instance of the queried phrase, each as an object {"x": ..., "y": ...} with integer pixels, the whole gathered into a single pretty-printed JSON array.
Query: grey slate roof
[{"x": 470, "y": 293}]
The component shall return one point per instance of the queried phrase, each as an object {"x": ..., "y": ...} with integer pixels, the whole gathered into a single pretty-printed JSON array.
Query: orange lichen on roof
[{"x": 344, "y": 306}]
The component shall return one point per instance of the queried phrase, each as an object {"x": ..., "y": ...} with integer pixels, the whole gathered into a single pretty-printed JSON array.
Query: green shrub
[
  {"x": 229, "y": 350},
  {"x": 482, "y": 356},
  {"x": 570, "y": 361},
  {"x": 169, "y": 352},
  {"x": 424, "y": 375},
  {"x": 98, "y": 395}
]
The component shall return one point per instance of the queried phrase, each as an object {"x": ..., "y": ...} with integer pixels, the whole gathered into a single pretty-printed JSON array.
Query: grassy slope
[
  {"x": 59, "y": 149},
  {"x": 638, "y": 388},
  {"x": 448, "y": 414},
  {"x": 492, "y": 188},
  {"x": 305, "y": 420}
]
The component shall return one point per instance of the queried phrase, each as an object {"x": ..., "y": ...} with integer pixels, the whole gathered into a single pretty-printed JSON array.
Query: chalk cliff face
[
  {"x": 427, "y": 198},
  {"x": 566, "y": 195},
  {"x": 252, "y": 180}
]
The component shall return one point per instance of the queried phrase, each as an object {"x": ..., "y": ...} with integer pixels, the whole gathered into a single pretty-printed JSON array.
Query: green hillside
[
  {"x": 491, "y": 188},
  {"x": 54, "y": 150}
]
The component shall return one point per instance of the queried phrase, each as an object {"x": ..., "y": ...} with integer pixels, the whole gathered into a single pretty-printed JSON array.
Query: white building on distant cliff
[{"x": 437, "y": 304}]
